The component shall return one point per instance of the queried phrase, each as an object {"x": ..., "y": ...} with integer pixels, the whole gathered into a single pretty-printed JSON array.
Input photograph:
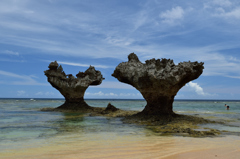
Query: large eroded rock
[
  {"x": 72, "y": 88},
  {"x": 157, "y": 80}
]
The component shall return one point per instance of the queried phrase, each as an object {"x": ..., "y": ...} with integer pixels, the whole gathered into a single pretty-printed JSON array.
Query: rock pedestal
[
  {"x": 72, "y": 88},
  {"x": 157, "y": 80}
]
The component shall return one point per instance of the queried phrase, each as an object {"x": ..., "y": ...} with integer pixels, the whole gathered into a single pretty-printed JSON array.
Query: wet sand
[{"x": 112, "y": 145}]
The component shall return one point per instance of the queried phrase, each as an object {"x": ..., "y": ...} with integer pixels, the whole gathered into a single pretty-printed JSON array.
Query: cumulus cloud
[
  {"x": 171, "y": 16},
  {"x": 120, "y": 95},
  {"x": 100, "y": 93},
  {"x": 196, "y": 87},
  {"x": 127, "y": 94},
  {"x": 223, "y": 8},
  {"x": 45, "y": 94}
]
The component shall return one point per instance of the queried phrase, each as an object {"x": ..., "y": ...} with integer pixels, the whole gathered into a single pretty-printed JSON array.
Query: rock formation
[
  {"x": 111, "y": 108},
  {"x": 72, "y": 88},
  {"x": 157, "y": 80}
]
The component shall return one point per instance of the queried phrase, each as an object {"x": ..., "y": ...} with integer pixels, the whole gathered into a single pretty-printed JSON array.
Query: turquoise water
[{"x": 22, "y": 122}]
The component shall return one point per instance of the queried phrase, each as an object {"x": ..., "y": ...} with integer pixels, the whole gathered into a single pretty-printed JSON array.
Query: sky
[{"x": 80, "y": 33}]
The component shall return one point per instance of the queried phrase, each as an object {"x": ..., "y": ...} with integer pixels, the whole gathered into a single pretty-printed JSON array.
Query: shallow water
[
  {"x": 213, "y": 110},
  {"x": 23, "y": 126}
]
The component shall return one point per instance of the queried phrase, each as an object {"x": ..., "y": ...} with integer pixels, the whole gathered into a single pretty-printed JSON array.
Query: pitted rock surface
[
  {"x": 72, "y": 88},
  {"x": 157, "y": 80}
]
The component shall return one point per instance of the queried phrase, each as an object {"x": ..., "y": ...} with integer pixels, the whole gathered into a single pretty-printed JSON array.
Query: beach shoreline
[{"x": 134, "y": 146}]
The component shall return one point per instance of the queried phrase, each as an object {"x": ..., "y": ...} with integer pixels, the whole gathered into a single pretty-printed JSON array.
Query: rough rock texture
[
  {"x": 72, "y": 88},
  {"x": 157, "y": 80},
  {"x": 181, "y": 125}
]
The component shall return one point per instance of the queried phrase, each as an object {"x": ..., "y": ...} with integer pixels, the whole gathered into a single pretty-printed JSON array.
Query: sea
[{"x": 23, "y": 126}]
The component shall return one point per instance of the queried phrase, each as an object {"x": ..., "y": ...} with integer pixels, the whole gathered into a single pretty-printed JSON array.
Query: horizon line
[{"x": 124, "y": 99}]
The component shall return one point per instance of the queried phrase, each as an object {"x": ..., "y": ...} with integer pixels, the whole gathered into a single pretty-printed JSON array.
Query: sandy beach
[{"x": 132, "y": 146}]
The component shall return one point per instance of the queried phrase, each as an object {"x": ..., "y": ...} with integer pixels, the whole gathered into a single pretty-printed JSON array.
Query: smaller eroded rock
[{"x": 72, "y": 88}]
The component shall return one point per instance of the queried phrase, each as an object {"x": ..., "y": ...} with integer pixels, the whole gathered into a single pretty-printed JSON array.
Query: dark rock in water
[
  {"x": 72, "y": 88},
  {"x": 157, "y": 80},
  {"x": 111, "y": 108}
]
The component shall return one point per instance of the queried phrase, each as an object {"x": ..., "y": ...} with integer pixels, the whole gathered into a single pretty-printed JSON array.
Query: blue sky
[{"x": 79, "y": 33}]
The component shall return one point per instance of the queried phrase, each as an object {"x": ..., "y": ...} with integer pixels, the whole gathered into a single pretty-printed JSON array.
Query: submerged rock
[
  {"x": 180, "y": 125},
  {"x": 157, "y": 80},
  {"x": 72, "y": 88}
]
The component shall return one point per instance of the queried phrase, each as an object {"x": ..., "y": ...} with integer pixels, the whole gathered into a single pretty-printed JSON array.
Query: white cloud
[
  {"x": 8, "y": 52},
  {"x": 15, "y": 75},
  {"x": 131, "y": 95},
  {"x": 217, "y": 3},
  {"x": 82, "y": 65},
  {"x": 100, "y": 93},
  {"x": 220, "y": 10},
  {"x": 21, "y": 93},
  {"x": 171, "y": 16},
  {"x": 44, "y": 94},
  {"x": 223, "y": 3},
  {"x": 235, "y": 13},
  {"x": 26, "y": 80},
  {"x": 39, "y": 93},
  {"x": 231, "y": 58},
  {"x": 141, "y": 19},
  {"x": 223, "y": 8},
  {"x": 111, "y": 94},
  {"x": 127, "y": 94},
  {"x": 117, "y": 85},
  {"x": 196, "y": 87},
  {"x": 215, "y": 63},
  {"x": 49, "y": 93},
  {"x": 29, "y": 28},
  {"x": 119, "y": 41}
]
